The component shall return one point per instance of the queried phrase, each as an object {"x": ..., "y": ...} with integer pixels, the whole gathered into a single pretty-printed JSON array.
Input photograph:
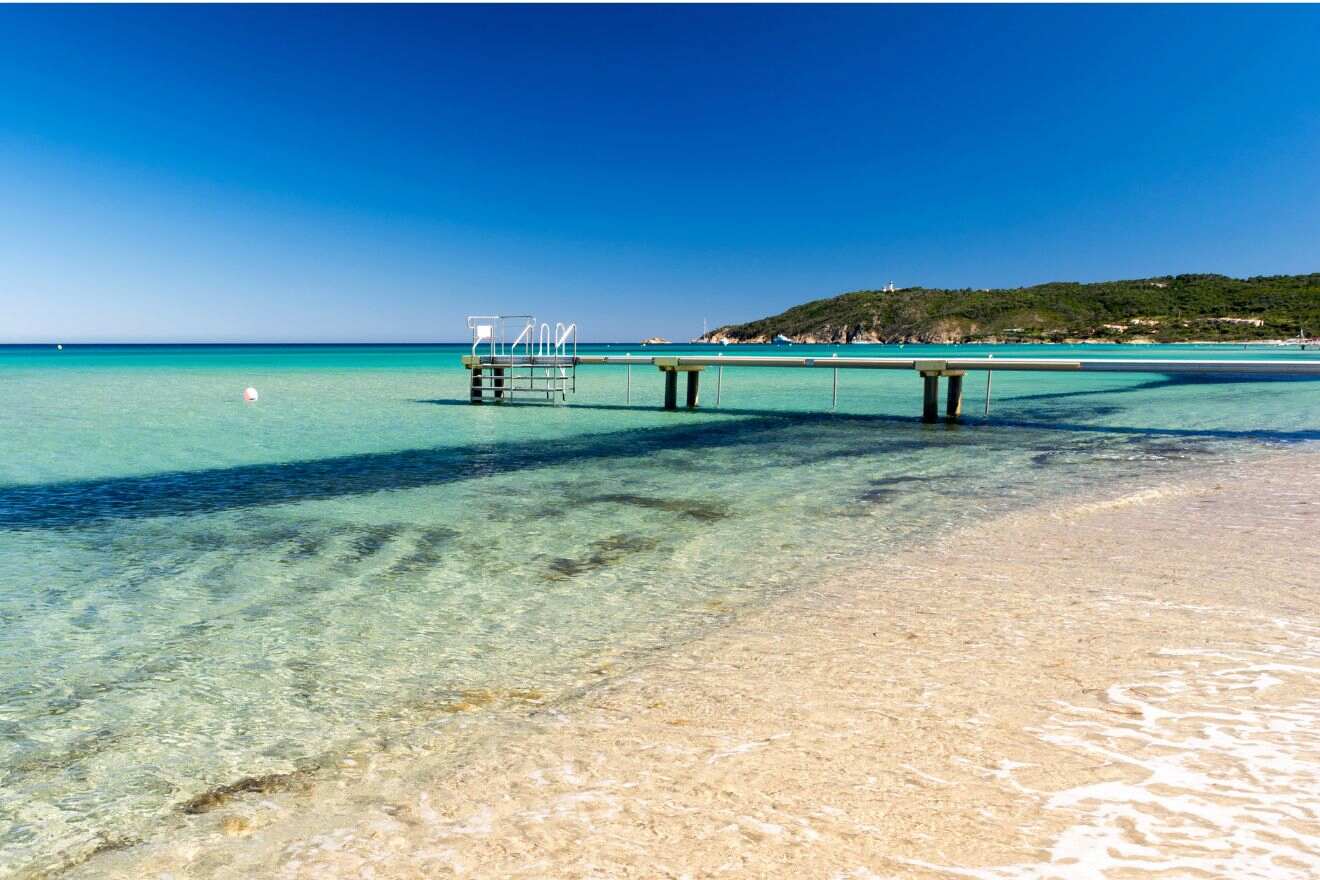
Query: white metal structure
[{"x": 535, "y": 360}]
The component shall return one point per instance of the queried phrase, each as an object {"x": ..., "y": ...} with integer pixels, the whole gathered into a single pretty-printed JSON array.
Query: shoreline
[
  {"x": 888, "y": 722},
  {"x": 1271, "y": 343}
]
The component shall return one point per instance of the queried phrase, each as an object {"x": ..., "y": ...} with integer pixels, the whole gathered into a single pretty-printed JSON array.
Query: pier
[
  {"x": 929, "y": 370},
  {"x": 545, "y": 363}
]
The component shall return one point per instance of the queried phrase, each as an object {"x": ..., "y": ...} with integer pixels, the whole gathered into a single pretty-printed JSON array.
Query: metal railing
[
  {"x": 538, "y": 360},
  {"x": 491, "y": 331}
]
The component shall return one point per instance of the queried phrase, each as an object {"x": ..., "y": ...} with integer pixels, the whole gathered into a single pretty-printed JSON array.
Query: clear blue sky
[{"x": 367, "y": 173}]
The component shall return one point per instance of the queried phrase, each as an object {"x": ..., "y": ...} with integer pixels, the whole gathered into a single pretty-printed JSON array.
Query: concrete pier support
[
  {"x": 475, "y": 391},
  {"x": 671, "y": 368},
  {"x": 953, "y": 409},
  {"x": 930, "y": 404},
  {"x": 671, "y": 389}
]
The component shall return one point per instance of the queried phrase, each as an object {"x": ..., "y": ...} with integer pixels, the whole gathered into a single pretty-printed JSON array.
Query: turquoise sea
[{"x": 196, "y": 592}]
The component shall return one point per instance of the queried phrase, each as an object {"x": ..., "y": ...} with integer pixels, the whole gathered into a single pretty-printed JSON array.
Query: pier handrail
[
  {"x": 490, "y": 329},
  {"x": 524, "y": 339},
  {"x": 483, "y": 332},
  {"x": 563, "y": 333}
]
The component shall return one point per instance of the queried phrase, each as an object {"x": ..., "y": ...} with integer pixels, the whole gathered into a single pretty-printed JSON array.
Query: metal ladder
[{"x": 538, "y": 361}]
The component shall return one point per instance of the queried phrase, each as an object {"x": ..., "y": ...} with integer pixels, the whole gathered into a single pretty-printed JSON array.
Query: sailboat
[{"x": 1302, "y": 342}]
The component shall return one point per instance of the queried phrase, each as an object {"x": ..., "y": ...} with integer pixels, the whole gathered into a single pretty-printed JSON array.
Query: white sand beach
[{"x": 1125, "y": 687}]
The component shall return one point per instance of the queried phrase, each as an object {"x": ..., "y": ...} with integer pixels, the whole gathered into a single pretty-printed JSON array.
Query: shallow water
[{"x": 197, "y": 594}]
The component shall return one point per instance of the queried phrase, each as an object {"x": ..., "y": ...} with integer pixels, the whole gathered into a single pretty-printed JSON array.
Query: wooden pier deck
[{"x": 930, "y": 370}]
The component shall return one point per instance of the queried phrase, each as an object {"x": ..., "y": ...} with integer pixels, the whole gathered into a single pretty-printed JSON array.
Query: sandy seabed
[{"x": 1121, "y": 688}]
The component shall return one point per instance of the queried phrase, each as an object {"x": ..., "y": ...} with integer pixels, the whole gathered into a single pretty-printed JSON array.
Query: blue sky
[{"x": 367, "y": 173}]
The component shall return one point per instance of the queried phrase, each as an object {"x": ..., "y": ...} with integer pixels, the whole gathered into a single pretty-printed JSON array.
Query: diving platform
[
  {"x": 535, "y": 360},
  {"x": 550, "y": 369}
]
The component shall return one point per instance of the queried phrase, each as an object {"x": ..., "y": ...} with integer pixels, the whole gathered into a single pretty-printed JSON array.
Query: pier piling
[
  {"x": 671, "y": 389},
  {"x": 834, "y": 397},
  {"x": 953, "y": 410},
  {"x": 930, "y": 405},
  {"x": 671, "y": 367},
  {"x": 474, "y": 395}
]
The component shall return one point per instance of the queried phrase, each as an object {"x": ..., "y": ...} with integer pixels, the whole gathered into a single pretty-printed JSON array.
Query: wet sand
[{"x": 1119, "y": 688}]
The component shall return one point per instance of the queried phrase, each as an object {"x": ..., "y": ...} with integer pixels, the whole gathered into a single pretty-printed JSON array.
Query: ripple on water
[{"x": 1220, "y": 773}]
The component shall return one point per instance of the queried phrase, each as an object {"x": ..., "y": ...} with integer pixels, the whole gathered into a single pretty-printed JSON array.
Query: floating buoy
[
  {"x": 250, "y": 394},
  {"x": 59, "y": 347}
]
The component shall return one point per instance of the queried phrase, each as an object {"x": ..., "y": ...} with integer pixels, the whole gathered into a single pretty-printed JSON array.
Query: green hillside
[{"x": 1168, "y": 309}]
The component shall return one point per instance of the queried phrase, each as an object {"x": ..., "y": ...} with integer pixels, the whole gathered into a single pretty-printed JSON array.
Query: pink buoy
[{"x": 250, "y": 395}]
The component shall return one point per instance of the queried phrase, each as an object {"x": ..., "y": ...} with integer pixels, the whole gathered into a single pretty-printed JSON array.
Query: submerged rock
[
  {"x": 605, "y": 551},
  {"x": 702, "y": 510},
  {"x": 266, "y": 784}
]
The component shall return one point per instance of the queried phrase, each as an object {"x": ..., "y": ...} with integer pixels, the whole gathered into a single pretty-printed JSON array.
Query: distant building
[{"x": 890, "y": 288}]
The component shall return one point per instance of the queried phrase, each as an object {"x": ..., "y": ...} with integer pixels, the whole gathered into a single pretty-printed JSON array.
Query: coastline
[
  {"x": 967, "y": 706},
  {"x": 715, "y": 339}
]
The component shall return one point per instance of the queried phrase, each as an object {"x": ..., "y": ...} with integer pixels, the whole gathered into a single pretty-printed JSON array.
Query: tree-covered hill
[{"x": 1173, "y": 308}]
